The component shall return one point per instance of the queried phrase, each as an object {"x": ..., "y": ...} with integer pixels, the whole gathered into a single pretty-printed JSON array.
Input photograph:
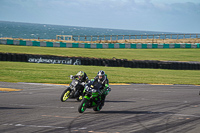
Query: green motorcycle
[{"x": 92, "y": 97}]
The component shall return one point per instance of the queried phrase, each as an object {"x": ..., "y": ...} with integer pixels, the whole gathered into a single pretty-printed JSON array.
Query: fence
[
  {"x": 129, "y": 37},
  {"x": 99, "y": 45}
]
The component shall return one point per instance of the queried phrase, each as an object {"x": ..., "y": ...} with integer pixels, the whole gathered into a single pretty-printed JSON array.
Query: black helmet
[{"x": 101, "y": 73}]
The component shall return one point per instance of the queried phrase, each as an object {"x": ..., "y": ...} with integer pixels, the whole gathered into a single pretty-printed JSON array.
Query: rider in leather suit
[
  {"x": 82, "y": 78},
  {"x": 102, "y": 78}
]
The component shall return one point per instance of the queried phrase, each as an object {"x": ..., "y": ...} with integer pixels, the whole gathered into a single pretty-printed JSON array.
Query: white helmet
[{"x": 101, "y": 73}]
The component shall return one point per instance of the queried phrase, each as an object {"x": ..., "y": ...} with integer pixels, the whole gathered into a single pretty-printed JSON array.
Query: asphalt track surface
[{"x": 135, "y": 108}]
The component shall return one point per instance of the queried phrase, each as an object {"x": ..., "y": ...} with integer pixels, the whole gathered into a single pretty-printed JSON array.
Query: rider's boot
[{"x": 103, "y": 99}]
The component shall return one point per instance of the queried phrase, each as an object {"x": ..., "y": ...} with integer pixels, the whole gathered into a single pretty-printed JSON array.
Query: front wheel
[
  {"x": 82, "y": 106},
  {"x": 65, "y": 95}
]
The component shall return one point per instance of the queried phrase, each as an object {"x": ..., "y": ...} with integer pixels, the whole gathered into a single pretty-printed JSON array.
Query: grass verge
[
  {"x": 58, "y": 73},
  {"x": 130, "y": 54}
]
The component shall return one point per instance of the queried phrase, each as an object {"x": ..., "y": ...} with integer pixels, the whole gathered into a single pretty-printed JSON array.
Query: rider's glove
[
  {"x": 71, "y": 76},
  {"x": 107, "y": 90}
]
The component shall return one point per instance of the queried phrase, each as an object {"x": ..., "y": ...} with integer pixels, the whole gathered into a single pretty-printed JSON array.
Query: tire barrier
[
  {"x": 154, "y": 64},
  {"x": 99, "y": 45}
]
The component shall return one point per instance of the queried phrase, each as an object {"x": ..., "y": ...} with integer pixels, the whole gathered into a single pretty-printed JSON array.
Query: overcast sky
[{"x": 148, "y": 15}]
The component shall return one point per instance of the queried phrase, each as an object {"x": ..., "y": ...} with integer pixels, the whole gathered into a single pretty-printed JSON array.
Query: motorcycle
[
  {"x": 74, "y": 91},
  {"x": 92, "y": 98}
]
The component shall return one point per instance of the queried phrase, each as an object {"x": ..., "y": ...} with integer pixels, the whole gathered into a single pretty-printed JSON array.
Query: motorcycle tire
[
  {"x": 82, "y": 106},
  {"x": 65, "y": 95}
]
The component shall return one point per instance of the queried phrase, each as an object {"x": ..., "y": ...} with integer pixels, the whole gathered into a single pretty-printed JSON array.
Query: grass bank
[
  {"x": 130, "y": 54},
  {"x": 58, "y": 73}
]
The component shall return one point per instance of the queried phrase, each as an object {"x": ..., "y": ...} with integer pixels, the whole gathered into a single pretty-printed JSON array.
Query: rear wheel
[
  {"x": 82, "y": 106},
  {"x": 98, "y": 108},
  {"x": 65, "y": 95}
]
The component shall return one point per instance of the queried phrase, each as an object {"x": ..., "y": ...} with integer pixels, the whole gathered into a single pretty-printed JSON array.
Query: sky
[{"x": 146, "y": 15}]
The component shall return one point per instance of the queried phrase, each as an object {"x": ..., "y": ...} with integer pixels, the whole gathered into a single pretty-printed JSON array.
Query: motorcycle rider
[
  {"x": 102, "y": 78},
  {"x": 82, "y": 77}
]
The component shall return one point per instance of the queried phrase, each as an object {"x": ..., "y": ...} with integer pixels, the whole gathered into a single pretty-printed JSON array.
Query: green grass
[
  {"x": 130, "y": 54},
  {"x": 58, "y": 73}
]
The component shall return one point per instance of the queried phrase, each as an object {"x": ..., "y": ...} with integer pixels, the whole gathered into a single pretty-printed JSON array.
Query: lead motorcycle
[
  {"x": 92, "y": 98},
  {"x": 74, "y": 91}
]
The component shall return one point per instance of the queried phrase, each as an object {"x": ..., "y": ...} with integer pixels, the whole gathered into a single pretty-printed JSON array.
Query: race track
[{"x": 135, "y": 108}]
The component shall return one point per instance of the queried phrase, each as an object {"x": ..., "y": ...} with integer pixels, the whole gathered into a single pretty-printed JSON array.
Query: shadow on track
[
  {"x": 133, "y": 112},
  {"x": 6, "y": 108},
  {"x": 118, "y": 101}
]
